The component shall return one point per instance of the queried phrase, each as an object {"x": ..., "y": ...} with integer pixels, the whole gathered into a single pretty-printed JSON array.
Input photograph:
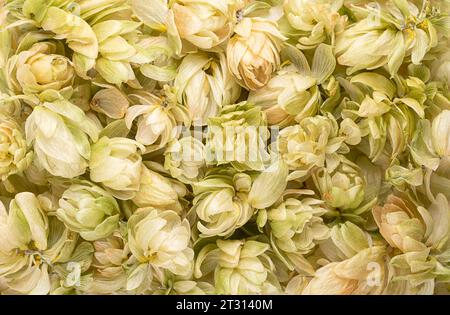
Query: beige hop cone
[
  {"x": 39, "y": 68},
  {"x": 314, "y": 21},
  {"x": 89, "y": 210},
  {"x": 190, "y": 24},
  {"x": 156, "y": 190},
  {"x": 253, "y": 53},
  {"x": 161, "y": 240},
  {"x": 60, "y": 133},
  {"x": 362, "y": 274},
  {"x": 293, "y": 92},
  {"x": 15, "y": 155},
  {"x": 238, "y": 266},
  {"x": 204, "y": 24},
  {"x": 388, "y": 34},
  {"x": 34, "y": 246},
  {"x": 204, "y": 85},
  {"x": 158, "y": 118},
  {"x": 116, "y": 163},
  {"x": 221, "y": 203},
  {"x": 109, "y": 262},
  {"x": 413, "y": 228},
  {"x": 64, "y": 24}
]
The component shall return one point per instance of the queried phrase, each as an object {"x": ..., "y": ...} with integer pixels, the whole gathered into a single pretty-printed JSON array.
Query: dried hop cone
[
  {"x": 40, "y": 68},
  {"x": 161, "y": 239},
  {"x": 89, "y": 210},
  {"x": 15, "y": 155},
  {"x": 254, "y": 52},
  {"x": 240, "y": 267}
]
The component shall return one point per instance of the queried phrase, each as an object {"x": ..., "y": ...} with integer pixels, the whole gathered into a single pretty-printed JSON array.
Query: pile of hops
[{"x": 224, "y": 147}]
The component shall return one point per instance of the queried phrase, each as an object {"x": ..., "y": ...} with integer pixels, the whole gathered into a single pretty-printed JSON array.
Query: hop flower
[
  {"x": 346, "y": 240},
  {"x": 60, "y": 133},
  {"x": 161, "y": 239},
  {"x": 201, "y": 23},
  {"x": 185, "y": 159},
  {"x": 295, "y": 228},
  {"x": 364, "y": 273},
  {"x": 110, "y": 257},
  {"x": 253, "y": 52},
  {"x": 388, "y": 34},
  {"x": 315, "y": 21},
  {"x": 157, "y": 123},
  {"x": 156, "y": 190},
  {"x": 36, "y": 277},
  {"x": 314, "y": 141},
  {"x": 115, "y": 51},
  {"x": 296, "y": 224},
  {"x": 241, "y": 267},
  {"x": 39, "y": 68},
  {"x": 116, "y": 163},
  {"x": 72, "y": 272},
  {"x": 342, "y": 188},
  {"x": 238, "y": 136},
  {"x": 89, "y": 210},
  {"x": 31, "y": 245},
  {"x": 383, "y": 118},
  {"x": 111, "y": 102},
  {"x": 420, "y": 235},
  {"x": 398, "y": 224},
  {"x": 78, "y": 34},
  {"x": 221, "y": 203},
  {"x": 404, "y": 177},
  {"x": 409, "y": 228},
  {"x": 287, "y": 96},
  {"x": 15, "y": 156},
  {"x": 27, "y": 223},
  {"x": 204, "y": 85}
]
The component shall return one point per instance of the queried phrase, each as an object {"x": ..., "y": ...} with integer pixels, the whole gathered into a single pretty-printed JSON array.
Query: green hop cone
[
  {"x": 315, "y": 142},
  {"x": 221, "y": 203},
  {"x": 313, "y": 22},
  {"x": 238, "y": 136},
  {"x": 296, "y": 227},
  {"x": 342, "y": 188},
  {"x": 389, "y": 34},
  {"x": 60, "y": 134},
  {"x": 89, "y": 210}
]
